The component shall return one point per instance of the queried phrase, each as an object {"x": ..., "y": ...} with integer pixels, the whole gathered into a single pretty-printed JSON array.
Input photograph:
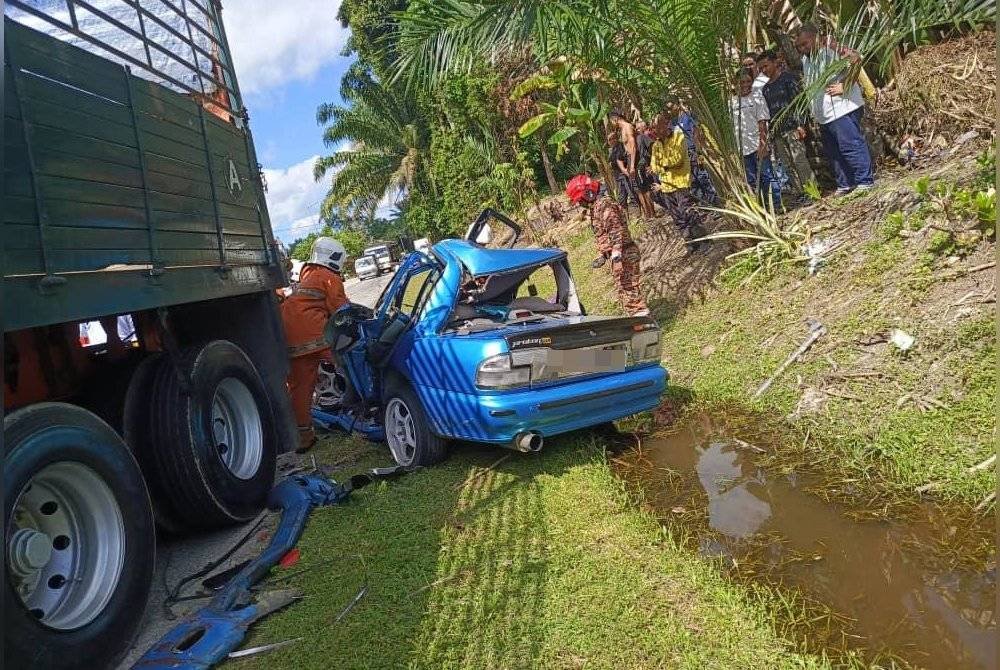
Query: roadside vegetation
[
  {"x": 506, "y": 561},
  {"x": 914, "y": 256}
]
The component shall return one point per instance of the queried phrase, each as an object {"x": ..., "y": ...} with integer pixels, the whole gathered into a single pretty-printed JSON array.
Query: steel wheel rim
[
  {"x": 330, "y": 387},
  {"x": 66, "y": 547},
  {"x": 400, "y": 432},
  {"x": 236, "y": 428}
]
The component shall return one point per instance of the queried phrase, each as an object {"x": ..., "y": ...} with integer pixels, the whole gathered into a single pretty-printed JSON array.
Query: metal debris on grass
[
  {"x": 357, "y": 598},
  {"x": 816, "y": 331},
  {"x": 253, "y": 651}
]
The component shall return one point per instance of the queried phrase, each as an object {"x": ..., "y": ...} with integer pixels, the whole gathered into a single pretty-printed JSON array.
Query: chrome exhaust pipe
[{"x": 528, "y": 442}]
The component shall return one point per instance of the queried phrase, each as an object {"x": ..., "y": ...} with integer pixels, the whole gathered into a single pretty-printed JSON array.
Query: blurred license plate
[{"x": 592, "y": 360}]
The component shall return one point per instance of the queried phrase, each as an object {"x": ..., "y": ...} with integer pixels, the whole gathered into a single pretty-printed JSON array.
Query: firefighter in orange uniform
[
  {"x": 313, "y": 299},
  {"x": 607, "y": 220}
]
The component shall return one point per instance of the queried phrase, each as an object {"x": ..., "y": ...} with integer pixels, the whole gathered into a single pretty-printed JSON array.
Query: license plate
[{"x": 559, "y": 363}]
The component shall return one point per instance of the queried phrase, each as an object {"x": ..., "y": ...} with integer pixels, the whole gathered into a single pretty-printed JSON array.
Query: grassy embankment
[
  {"x": 858, "y": 410},
  {"x": 545, "y": 561},
  {"x": 537, "y": 562}
]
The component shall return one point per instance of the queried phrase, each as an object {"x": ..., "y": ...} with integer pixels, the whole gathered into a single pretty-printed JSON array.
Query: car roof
[{"x": 481, "y": 261}]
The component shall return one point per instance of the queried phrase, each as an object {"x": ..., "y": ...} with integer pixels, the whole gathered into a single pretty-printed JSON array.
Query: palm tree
[
  {"x": 641, "y": 45},
  {"x": 386, "y": 141}
]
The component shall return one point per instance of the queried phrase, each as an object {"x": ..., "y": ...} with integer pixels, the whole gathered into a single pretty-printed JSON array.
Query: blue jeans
[
  {"x": 847, "y": 150},
  {"x": 760, "y": 176}
]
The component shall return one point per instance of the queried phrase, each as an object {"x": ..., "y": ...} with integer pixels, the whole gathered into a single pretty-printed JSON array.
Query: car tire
[
  {"x": 136, "y": 430},
  {"x": 408, "y": 431},
  {"x": 212, "y": 436},
  {"x": 78, "y": 521}
]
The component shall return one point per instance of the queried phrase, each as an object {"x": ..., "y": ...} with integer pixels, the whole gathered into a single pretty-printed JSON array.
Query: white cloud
[
  {"x": 277, "y": 42},
  {"x": 293, "y": 198}
]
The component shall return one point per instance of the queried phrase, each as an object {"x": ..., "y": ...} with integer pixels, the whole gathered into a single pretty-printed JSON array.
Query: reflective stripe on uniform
[
  {"x": 308, "y": 292},
  {"x": 307, "y": 348}
]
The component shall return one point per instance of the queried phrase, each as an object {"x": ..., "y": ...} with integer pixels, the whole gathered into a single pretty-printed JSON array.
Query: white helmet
[{"x": 328, "y": 251}]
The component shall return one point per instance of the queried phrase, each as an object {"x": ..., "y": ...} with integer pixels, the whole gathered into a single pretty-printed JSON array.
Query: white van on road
[{"x": 366, "y": 267}]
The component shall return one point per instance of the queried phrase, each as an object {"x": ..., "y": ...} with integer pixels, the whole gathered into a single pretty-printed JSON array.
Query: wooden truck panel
[{"x": 120, "y": 194}]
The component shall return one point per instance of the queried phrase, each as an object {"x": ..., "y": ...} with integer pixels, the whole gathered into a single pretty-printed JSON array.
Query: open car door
[
  {"x": 400, "y": 306},
  {"x": 481, "y": 232}
]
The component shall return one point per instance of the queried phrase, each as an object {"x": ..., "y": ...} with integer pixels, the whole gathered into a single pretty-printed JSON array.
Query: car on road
[
  {"x": 487, "y": 345},
  {"x": 382, "y": 255},
  {"x": 366, "y": 267}
]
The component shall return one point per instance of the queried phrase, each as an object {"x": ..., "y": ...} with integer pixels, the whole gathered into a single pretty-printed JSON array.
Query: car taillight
[{"x": 498, "y": 372}]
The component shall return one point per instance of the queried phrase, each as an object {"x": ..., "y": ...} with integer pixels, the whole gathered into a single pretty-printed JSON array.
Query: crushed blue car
[{"x": 462, "y": 346}]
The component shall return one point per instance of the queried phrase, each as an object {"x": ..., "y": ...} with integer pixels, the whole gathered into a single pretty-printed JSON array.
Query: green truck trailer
[{"x": 144, "y": 358}]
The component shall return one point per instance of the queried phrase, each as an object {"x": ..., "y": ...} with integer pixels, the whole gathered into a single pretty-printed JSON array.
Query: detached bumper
[{"x": 497, "y": 418}]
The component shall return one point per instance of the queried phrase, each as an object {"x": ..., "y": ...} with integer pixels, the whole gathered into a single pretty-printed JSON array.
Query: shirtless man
[{"x": 626, "y": 132}]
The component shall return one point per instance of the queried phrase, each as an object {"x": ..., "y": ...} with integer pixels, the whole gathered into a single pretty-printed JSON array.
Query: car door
[{"x": 399, "y": 309}]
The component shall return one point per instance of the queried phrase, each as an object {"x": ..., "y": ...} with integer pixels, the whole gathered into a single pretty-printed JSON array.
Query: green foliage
[
  {"x": 811, "y": 189},
  {"x": 578, "y": 112},
  {"x": 463, "y": 185},
  {"x": 892, "y": 226},
  {"x": 986, "y": 173},
  {"x": 354, "y": 242},
  {"x": 386, "y": 138},
  {"x": 372, "y": 23},
  {"x": 959, "y": 204},
  {"x": 776, "y": 244},
  {"x": 941, "y": 243}
]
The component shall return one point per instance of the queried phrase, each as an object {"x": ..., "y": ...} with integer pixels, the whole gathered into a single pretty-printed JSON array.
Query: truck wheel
[
  {"x": 407, "y": 430},
  {"x": 79, "y": 540},
  {"x": 214, "y": 445},
  {"x": 135, "y": 429}
]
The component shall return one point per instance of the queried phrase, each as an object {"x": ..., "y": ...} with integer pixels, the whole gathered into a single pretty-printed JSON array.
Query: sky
[{"x": 288, "y": 61}]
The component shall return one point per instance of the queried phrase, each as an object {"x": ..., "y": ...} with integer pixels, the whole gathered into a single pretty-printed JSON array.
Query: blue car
[{"x": 487, "y": 345}]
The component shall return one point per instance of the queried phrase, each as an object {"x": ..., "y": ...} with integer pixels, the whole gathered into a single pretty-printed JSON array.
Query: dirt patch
[{"x": 943, "y": 89}]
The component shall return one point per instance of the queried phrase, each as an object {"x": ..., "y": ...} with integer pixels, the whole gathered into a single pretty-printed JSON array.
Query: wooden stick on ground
[
  {"x": 982, "y": 466},
  {"x": 986, "y": 501},
  {"x": 818, "y": 330},
  {"x": 743, "y": 444}
]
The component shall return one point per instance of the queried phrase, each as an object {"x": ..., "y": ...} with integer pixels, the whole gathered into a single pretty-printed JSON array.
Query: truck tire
[
  {"x": 407, "y": 430},
  {"x": 214, "y": 444},
  {"x": 135, "y": 429},
  {"x": 80, "y": 540}
]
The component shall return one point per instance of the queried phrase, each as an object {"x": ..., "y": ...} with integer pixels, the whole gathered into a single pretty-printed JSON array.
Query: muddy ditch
[{"x": 916, "y": 590}]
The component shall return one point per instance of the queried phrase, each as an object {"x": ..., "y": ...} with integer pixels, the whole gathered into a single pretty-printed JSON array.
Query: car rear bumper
[{"x": 498, "y": 418}]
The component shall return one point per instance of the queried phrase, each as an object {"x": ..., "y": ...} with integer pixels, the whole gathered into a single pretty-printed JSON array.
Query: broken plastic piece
[
  {"x": 291, "y": 558},
  {"x": 901, "y": 339}
]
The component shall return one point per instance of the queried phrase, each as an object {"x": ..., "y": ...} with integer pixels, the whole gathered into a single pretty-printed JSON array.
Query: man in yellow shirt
[{"x": 672, "y": 166}]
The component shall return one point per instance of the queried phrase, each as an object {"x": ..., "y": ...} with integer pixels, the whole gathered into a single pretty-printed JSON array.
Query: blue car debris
[{"x": 462, "y": 346}]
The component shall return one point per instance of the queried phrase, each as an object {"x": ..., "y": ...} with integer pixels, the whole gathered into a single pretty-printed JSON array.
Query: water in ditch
[{"x": 892, "y": 595}]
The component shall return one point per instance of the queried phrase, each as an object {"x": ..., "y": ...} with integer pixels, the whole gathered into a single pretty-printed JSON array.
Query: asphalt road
[
  {"x": 366, "y": 292},
  {"x": 178, "y": 557}
]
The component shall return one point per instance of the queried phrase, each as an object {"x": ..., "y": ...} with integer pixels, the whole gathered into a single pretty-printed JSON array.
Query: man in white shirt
[
  {"x": 838, "y": 108},
  {"x": 750, "y": 119}
]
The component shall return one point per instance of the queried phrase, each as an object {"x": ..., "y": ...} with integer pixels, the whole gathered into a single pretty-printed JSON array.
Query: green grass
[
  {"x": 890, "y": 447},
  {"x": 543, "y": 561},
  {"x": 878, "y": 435}
]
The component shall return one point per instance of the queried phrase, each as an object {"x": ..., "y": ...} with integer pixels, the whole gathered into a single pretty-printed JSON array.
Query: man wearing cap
[{"x": 607, "y": 220}]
